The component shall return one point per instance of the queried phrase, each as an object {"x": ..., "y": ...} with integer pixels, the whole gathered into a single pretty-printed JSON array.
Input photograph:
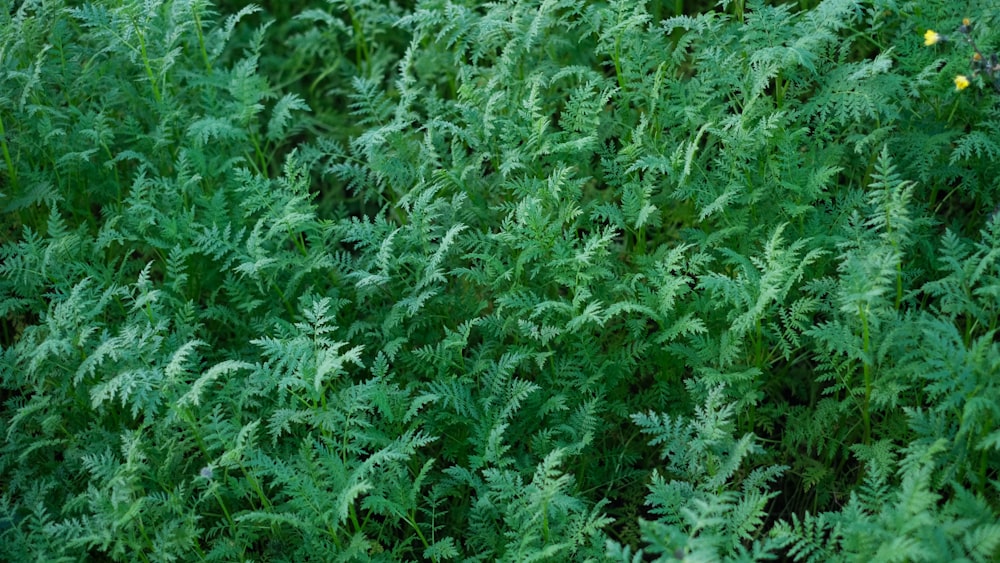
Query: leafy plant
[{"x": 537, "y": 280}]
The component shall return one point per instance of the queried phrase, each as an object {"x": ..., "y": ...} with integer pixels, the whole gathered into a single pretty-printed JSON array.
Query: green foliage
[
  {"x": 535, "y": 280},
  {"x": 707, "y": 511}
]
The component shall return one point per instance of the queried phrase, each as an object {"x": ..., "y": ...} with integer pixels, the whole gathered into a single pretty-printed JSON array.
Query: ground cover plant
[{"x": 527, "y": 280}]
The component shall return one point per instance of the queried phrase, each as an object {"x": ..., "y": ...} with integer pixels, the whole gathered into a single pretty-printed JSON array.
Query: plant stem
[
  {"x": 11, "y": 171},
  {"x": 201, "y": 40},
  {"x": 145, "y": 62},
  {"x": 866, "y": 348},
  {"x": 361, "y": 51},
  {"x": 618, "y": 66}
]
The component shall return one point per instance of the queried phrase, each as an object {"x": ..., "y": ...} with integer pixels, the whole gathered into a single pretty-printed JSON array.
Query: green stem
[
  {"x": 201, "y": 40},
  {"x": 11, "y": 171},
  {"x": 899, "y": 264},
  {"x": 545, "y": 522},
  {"x": 145, "y": 537},
  {"x": 899, "y": 284},
  {"x": 225, "y": 510},
  {"x": 284, "y": 299},
  {"x": 983, "y": 466},
  {"x": 361, "y": 51},
  {"x": 412, "y": 521},
  {"x": 953, "y": 108},
  {"x": 145, "y": 62},
  {"x": 333, "y": 534},
  {"x": 780, "y": 87},
  {"x": 867, "y": 369},
  {"x": 261, "y": 159},
  {"x": 187, "y": 416},
  {"x": 354, "y": 519},
  {"x": 256, "y": 487},
  {"x": 618, "y": 66}
]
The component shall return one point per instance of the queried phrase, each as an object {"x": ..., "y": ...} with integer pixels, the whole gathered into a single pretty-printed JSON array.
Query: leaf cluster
[{"x": 533, "y": 280}]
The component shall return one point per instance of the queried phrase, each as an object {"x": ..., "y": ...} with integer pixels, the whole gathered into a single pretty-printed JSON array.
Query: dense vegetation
[{"x": 528, "y": 280}]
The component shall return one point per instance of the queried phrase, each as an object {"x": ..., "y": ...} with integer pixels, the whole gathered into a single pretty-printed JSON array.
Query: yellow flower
[
  {"x": 961, "y": 82},
  {"x": 931, "y": 37}
]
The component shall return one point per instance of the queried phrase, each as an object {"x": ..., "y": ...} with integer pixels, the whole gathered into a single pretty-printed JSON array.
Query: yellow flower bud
[
  {"x": 931, "y": 37},
  {"x": 961, "y": 82}
]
